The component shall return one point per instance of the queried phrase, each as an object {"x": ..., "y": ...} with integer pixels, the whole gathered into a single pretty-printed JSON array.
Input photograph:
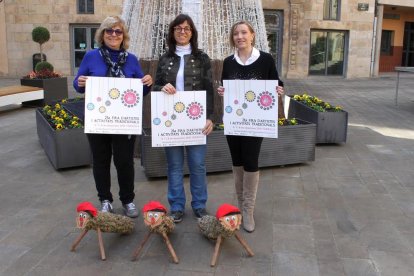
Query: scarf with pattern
[{"x": 114, "y": 68}]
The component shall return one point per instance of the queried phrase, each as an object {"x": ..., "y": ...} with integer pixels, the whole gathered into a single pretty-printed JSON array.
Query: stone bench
[{"x": 19, "y": 93}]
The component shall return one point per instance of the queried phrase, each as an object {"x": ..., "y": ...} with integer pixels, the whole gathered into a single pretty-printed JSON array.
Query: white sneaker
[
  {"x": 106, "y": 206},
  {"x": 130, "y": 210}
]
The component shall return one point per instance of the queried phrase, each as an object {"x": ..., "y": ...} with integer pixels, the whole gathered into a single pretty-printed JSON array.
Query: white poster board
[
  {"x": 178, "y": 120},
  {"x": 113, "y": 105},
  {"x": 250, "y": 108}
]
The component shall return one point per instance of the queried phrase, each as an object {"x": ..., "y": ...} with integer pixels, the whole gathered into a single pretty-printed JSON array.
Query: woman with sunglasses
[
  {"x": 111, "y": 59},
  {"x": 186, "y": 68},
  {"x": 247, "y": 63}
]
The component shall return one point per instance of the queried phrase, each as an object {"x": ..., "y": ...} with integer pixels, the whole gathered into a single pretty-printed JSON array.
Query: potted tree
[
  {"x": 40, "y": 35},
  {"x": 55, "y": 86}
]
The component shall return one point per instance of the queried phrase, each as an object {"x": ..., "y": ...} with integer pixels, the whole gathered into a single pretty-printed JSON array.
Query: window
[
  {"x": 327, "y": 52},
  {"x": 82, "y": 40},
  {"x": 85, "y": 6},
  {"x": 331, "y": 9},
  {"x": 386, "y": 42}
]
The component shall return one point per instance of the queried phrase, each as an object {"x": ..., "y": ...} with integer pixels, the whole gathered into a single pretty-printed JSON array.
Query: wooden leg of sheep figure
[
  {"x": 90, "y": 219},
  {"x": 225, "y": 224},
  {"x": 157, "y": 221}
]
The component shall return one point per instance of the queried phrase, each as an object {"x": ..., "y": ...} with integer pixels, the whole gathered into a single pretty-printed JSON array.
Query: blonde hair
[
  {"x": 108, "y": 23},
  {"x": 249, "y": 26}
]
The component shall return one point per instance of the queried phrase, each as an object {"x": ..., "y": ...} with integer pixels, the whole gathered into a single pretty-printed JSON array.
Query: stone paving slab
[{"x": 350, "y": 212}]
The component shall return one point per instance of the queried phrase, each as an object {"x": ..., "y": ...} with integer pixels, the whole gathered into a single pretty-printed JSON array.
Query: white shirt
[
  {"x": 181, "y": 51},
  {"x": 253, "y": 57}
]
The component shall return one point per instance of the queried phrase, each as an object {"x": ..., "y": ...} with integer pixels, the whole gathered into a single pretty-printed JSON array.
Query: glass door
[
  {"x": 408, "y": 45},
  {"x": 82, "y": 40},
  {"x": 274, "y": 29},
  {"x": 327, "y": 53}
]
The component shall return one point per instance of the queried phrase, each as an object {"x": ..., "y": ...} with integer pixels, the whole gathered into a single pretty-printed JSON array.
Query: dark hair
[{"x": 194, "y": 34}]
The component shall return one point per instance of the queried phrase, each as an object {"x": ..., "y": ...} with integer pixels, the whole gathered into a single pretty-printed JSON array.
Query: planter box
[
  {"x": 296, "y": 144},
  {"x": 65, "y": 148},
  {"x": 55, "y": 89},
  {"x": 331, "y": 127}
]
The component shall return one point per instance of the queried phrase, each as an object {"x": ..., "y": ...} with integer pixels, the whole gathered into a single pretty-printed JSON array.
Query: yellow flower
[
  {"x": 59, "y": 117},
  {"x": 315, "y": 103}
]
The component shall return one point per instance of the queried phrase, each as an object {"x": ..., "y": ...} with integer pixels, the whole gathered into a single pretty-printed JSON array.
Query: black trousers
[
  {"x": 103, "y": 146},
  {"x": 245, "y": 151}
]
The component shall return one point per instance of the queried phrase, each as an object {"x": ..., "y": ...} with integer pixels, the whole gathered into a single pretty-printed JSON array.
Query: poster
[
  {"x": 250, "y": 108},
  {"x": 113, "y": 105},
  {"x": 178, "y": 119}
]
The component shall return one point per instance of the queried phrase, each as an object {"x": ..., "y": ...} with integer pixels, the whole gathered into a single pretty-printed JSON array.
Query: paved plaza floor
[{"x": 349, "y": 212}]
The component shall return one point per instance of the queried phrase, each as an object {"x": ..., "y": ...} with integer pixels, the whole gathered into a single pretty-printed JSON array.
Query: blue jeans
[{"x": 198, "y": 182}]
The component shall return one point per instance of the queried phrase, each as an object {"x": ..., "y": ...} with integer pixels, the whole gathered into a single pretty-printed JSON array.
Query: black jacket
[{"x": 197, "y": 75}]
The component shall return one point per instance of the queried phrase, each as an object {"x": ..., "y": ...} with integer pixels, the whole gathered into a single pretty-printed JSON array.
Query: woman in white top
[{"x": 247, "y": 63}]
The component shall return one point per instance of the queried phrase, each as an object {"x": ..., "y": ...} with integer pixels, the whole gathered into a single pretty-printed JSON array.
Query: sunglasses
[{"x": 117, "y": 32}]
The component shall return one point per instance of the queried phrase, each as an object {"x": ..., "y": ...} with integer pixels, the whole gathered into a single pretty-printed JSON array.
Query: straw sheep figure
[
  {"x": 89, "y": 218},
  {"x": 157, "y": 221},
  {"x": 225, "y": 224}
]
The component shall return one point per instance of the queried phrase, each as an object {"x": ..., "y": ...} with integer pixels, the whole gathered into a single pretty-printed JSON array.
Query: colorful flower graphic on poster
[
  {"x": 113, "y": 105},
  {"x": 250, "y": 108},
  {"x": 178, "y": 120}
]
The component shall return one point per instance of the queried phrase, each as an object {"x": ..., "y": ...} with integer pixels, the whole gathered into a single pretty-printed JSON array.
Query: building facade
[
  {"x": 396, "y": 39},
  {"x": 346, "y": 38}
]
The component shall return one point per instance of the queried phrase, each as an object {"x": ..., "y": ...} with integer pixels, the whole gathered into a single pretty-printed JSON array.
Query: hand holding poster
[
  {"x": 178, "y": 119},
  {"x": 250, "y": 108},
  {"x": 113, "y": 105}
]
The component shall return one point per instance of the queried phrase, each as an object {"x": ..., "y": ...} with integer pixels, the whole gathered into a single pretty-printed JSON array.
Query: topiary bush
[
  {"x": 40, "y": 35},
  {"x": 44, "y": 65}
]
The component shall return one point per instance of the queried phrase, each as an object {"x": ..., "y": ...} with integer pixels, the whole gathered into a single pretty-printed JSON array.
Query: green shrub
[
  {"x": 44, "y": 65},
  {"x": 40, "y": 35}
]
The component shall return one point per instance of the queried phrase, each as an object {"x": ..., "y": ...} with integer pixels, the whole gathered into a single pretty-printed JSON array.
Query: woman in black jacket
[{"x": 186, "y": 68}]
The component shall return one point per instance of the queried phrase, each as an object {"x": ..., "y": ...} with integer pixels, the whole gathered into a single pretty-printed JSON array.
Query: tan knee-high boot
[
  {"x": 250, "y": 184},
  {"x": 238, "y": 172}
]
